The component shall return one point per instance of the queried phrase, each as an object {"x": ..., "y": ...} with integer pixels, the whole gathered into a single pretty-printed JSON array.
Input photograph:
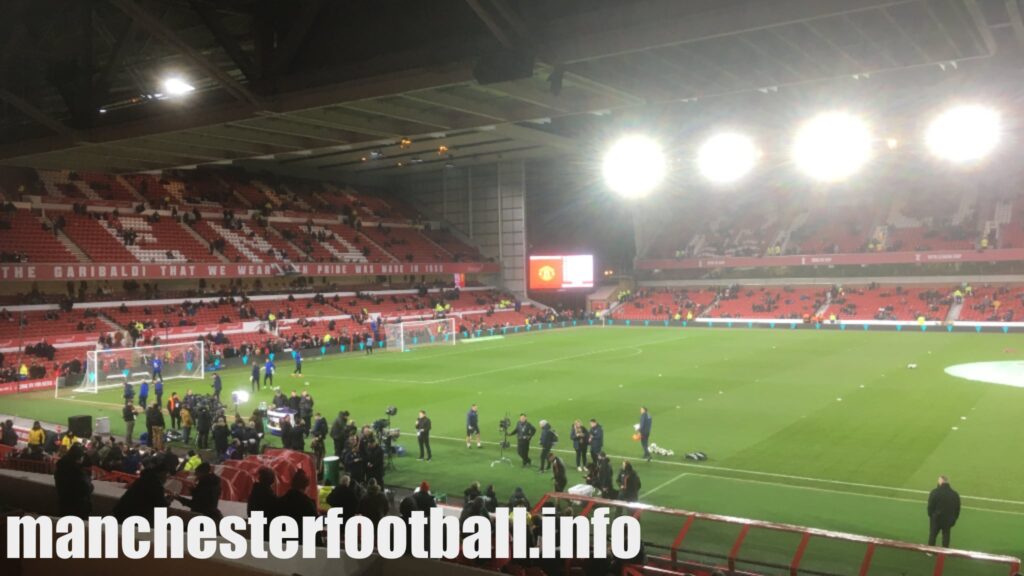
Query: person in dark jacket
[
  {"x": 645, "y": 431},
  {"x": 128, "y": 414},
  {"x": 338, "y": 435},
  {"x": 158, "y": 391},
  {"x": 74, "y": 483},
  {"x": 423, "y": 435},
  {"x": 295, "y": 504},
  {"x": 9, "y": 437},
  {"x": 217, "y": 386},
  {"x": 373, "y": 505},
  {"x": 518, "y": 499},
  {"x": 221, "y": 435},
  {"x": 344, "y": 496},
  {"x": 524, "y": 432},
  {"x": 147, "y": 493},
  {"x": 629, "y": 483},
  {"x": 581, "y": 444},
  {"x": 424, "y": 499},
  {"x": 319, "y": 429},
  {"x": 262, "y": 497},
  {"x": 943, "y": 511},
  {"x": 155, "y": 426},
  {"x": 128, "y": 392},
  {"x": 206, "y": 495},
  {"x": 596, "y": 439},
  {"x": 490, "y": 499},
  {"x": 558, "y": 472},
  {"x": 547, "y": 441},
  {"x": 204, "y": 421},
  {"x": 471, "y": 493}
]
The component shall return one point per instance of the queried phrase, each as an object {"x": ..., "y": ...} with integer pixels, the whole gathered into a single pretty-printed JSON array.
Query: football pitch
[{"x": 820, "y": 428}]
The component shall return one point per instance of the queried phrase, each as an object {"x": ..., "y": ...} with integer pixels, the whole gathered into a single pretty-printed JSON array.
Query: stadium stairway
[{"x": 206, "y": 244}]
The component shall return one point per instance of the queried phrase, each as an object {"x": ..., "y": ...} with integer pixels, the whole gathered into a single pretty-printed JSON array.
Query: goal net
[
  {"x": 110, "y": 368},
  {"x": 419, "y": 333}
]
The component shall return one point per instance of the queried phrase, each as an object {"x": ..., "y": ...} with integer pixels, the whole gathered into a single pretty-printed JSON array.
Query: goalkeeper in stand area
[{"x": 158, "y": 366}]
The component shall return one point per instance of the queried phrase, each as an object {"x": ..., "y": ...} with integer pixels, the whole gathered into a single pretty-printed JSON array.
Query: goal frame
[
  {"x": 91, "y": 384},
  {"x": 397, "y": 335}
]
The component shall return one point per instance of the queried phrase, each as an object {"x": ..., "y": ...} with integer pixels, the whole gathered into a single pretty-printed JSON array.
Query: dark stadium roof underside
[{"x": 311, "y": 85}]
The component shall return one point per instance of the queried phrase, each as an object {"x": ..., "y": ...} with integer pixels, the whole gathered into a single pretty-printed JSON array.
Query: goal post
[
  {"x": 110, "y": 368},
  {"x": 420, "y": 333}
]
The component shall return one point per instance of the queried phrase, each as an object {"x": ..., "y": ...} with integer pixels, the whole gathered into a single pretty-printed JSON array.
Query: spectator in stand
[
  {"x": 8, "y": 437},
  {"x": 206, "y": 494},
  {"x": 36, "y": 438},
  {"x": 147, "y": 493},
  {"x": 374, "y": 505},
  {"x": 295, "y": 504},
  {"x": 262, "y": 497},
  {"x": 344, "y": 496},
  {"x": 73, "y": 480}
]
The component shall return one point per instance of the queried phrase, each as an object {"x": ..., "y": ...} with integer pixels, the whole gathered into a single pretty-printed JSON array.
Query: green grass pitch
[{"x": 763, "y": 404}]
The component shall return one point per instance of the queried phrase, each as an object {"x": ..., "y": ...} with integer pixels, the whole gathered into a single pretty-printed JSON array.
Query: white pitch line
[
  {"x": 552, "y": 360},
  {"x": 772, "y": 475},
  {"x": 844, "y": 492},
  {"x": 663, "y": 484}
]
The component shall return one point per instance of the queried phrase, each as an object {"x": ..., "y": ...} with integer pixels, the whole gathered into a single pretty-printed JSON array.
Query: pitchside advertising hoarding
[{"x": 561, "y": 272}]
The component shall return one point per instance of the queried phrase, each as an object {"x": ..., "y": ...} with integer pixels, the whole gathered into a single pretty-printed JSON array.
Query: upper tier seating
[
  {"x": 320, "y": 243},
  {"x": 406, "y": 244},
  {"x": 26, "y": 238}
]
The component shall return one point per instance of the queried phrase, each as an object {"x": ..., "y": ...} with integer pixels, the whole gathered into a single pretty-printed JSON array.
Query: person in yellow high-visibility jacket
[{"x": 23, "y": 371}]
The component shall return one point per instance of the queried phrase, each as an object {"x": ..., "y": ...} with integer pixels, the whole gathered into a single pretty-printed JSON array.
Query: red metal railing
[{"x": 1010, "y": 565}]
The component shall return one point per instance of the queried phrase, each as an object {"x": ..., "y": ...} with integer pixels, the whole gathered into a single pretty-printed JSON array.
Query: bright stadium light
[
  {"x": 175, "y": 86},
  {"x": 634, "y": 166},
  {"x": 832, "y": 146},
  {"x": 727, "y": 157},
  {"x": 964, "y": 134}
]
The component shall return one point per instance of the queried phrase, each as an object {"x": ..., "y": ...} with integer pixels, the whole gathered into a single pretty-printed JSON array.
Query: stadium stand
[
  {"x": 875, "y": 302},
  {"x": 27, "y": 237},
  {"x": 750, "y": 302}
]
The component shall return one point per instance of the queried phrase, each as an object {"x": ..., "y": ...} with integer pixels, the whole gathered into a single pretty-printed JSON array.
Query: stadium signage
[
  {"x": 25, "y": 386},
  {"x": 867, "y": 259},
  {"x": 171, "y": 271}
]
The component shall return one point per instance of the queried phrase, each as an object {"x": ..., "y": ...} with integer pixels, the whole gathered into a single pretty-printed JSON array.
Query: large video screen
[{"x": 561, "y": 272}]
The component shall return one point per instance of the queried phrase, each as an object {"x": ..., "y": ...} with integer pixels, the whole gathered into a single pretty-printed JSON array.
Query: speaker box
[
  {"x": 503, "y": 66},
  {"x": 81, "y": 426}
]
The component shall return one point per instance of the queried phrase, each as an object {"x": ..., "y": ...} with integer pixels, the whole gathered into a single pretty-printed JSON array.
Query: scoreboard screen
[{"x": 561, "y": 272}]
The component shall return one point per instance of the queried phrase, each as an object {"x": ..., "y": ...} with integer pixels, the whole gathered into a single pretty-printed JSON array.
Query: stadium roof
[{"x": 318, "y": 86}]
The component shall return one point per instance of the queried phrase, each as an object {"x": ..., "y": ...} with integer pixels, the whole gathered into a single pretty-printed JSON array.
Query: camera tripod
[{"x": 502, "y": 459}]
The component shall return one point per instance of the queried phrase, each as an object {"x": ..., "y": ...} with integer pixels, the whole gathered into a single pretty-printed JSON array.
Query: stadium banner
[
  {"x": 140, "y": 271},
  {"x": 866, "y": 259},
  {"x": 25, "y": 386}
]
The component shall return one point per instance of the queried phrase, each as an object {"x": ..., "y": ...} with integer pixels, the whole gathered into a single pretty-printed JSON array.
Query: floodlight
[
  {"x": 727, "y": 157},
  {"x": 634, "y": 166},
  {"x": 964, "y": 134},
  {"x": 175, "y": 86},
  {"x": 832, "y": 146}
]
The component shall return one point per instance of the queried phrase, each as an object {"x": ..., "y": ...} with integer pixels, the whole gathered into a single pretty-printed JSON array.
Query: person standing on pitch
[
  {"x": 943, "y": 511},
  {"x": 580, "y": 443},
  {"x": 268, "y": 373},
  {"x": 547, "y": 441},
  {"x": 524, "y": 432},
  {"x": 143, "y": 394},
  {"x": 128, "y": 392},
  {"x": 423, "y": 434},
  {"x": 217, "y": 386},
  {"x": 596, "y": 439},
  {"x": 254, "y": 377},
  {"x": 472, "y": 426},
  {"x": 128, "y": 413},
  {"x": 645, "y": 431},
  {"x": 158, "y": 391},
  {"x": 557, "y": 472},
  {"x": 158, "y": 368},
  {"x": 298, "y": 364}
]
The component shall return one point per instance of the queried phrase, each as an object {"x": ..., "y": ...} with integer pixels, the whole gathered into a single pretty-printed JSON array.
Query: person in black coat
[
  {"x": 423, "y": 434},
  {"x": 337, "y": 433},
  {"x": 344, "y": 496},
  {"x": 547, "y": 441},
  {"x": 596, "y": 439},
  {"x": 375, "y": 461},
  {"x": 524, "y": 432},
  {"x": 221, "y": 435},
  {"x": 9, "y": 436},
  {"x": 943, "y": 511},
  {"x": 295, "y": 504},
  {"x": 204, "y": 421},
  {"x": 558, "y": 473},
  {"x": 147, "y": 493},
  {"x": 262, "y": 497},
  {"x": 206, "y": 494},
  {"x": 374, "y": 505},
  {"x": 645, "y": 431},
  {"x": 74, "y": 483},
  {"x": 629, "y": 483}
]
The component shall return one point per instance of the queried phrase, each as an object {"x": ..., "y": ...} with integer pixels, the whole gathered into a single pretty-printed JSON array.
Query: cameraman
[
  {"x": 423, "y": 434},
  {"x": 472, "y": 426},
  {"x": 524, "y": 432}
]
